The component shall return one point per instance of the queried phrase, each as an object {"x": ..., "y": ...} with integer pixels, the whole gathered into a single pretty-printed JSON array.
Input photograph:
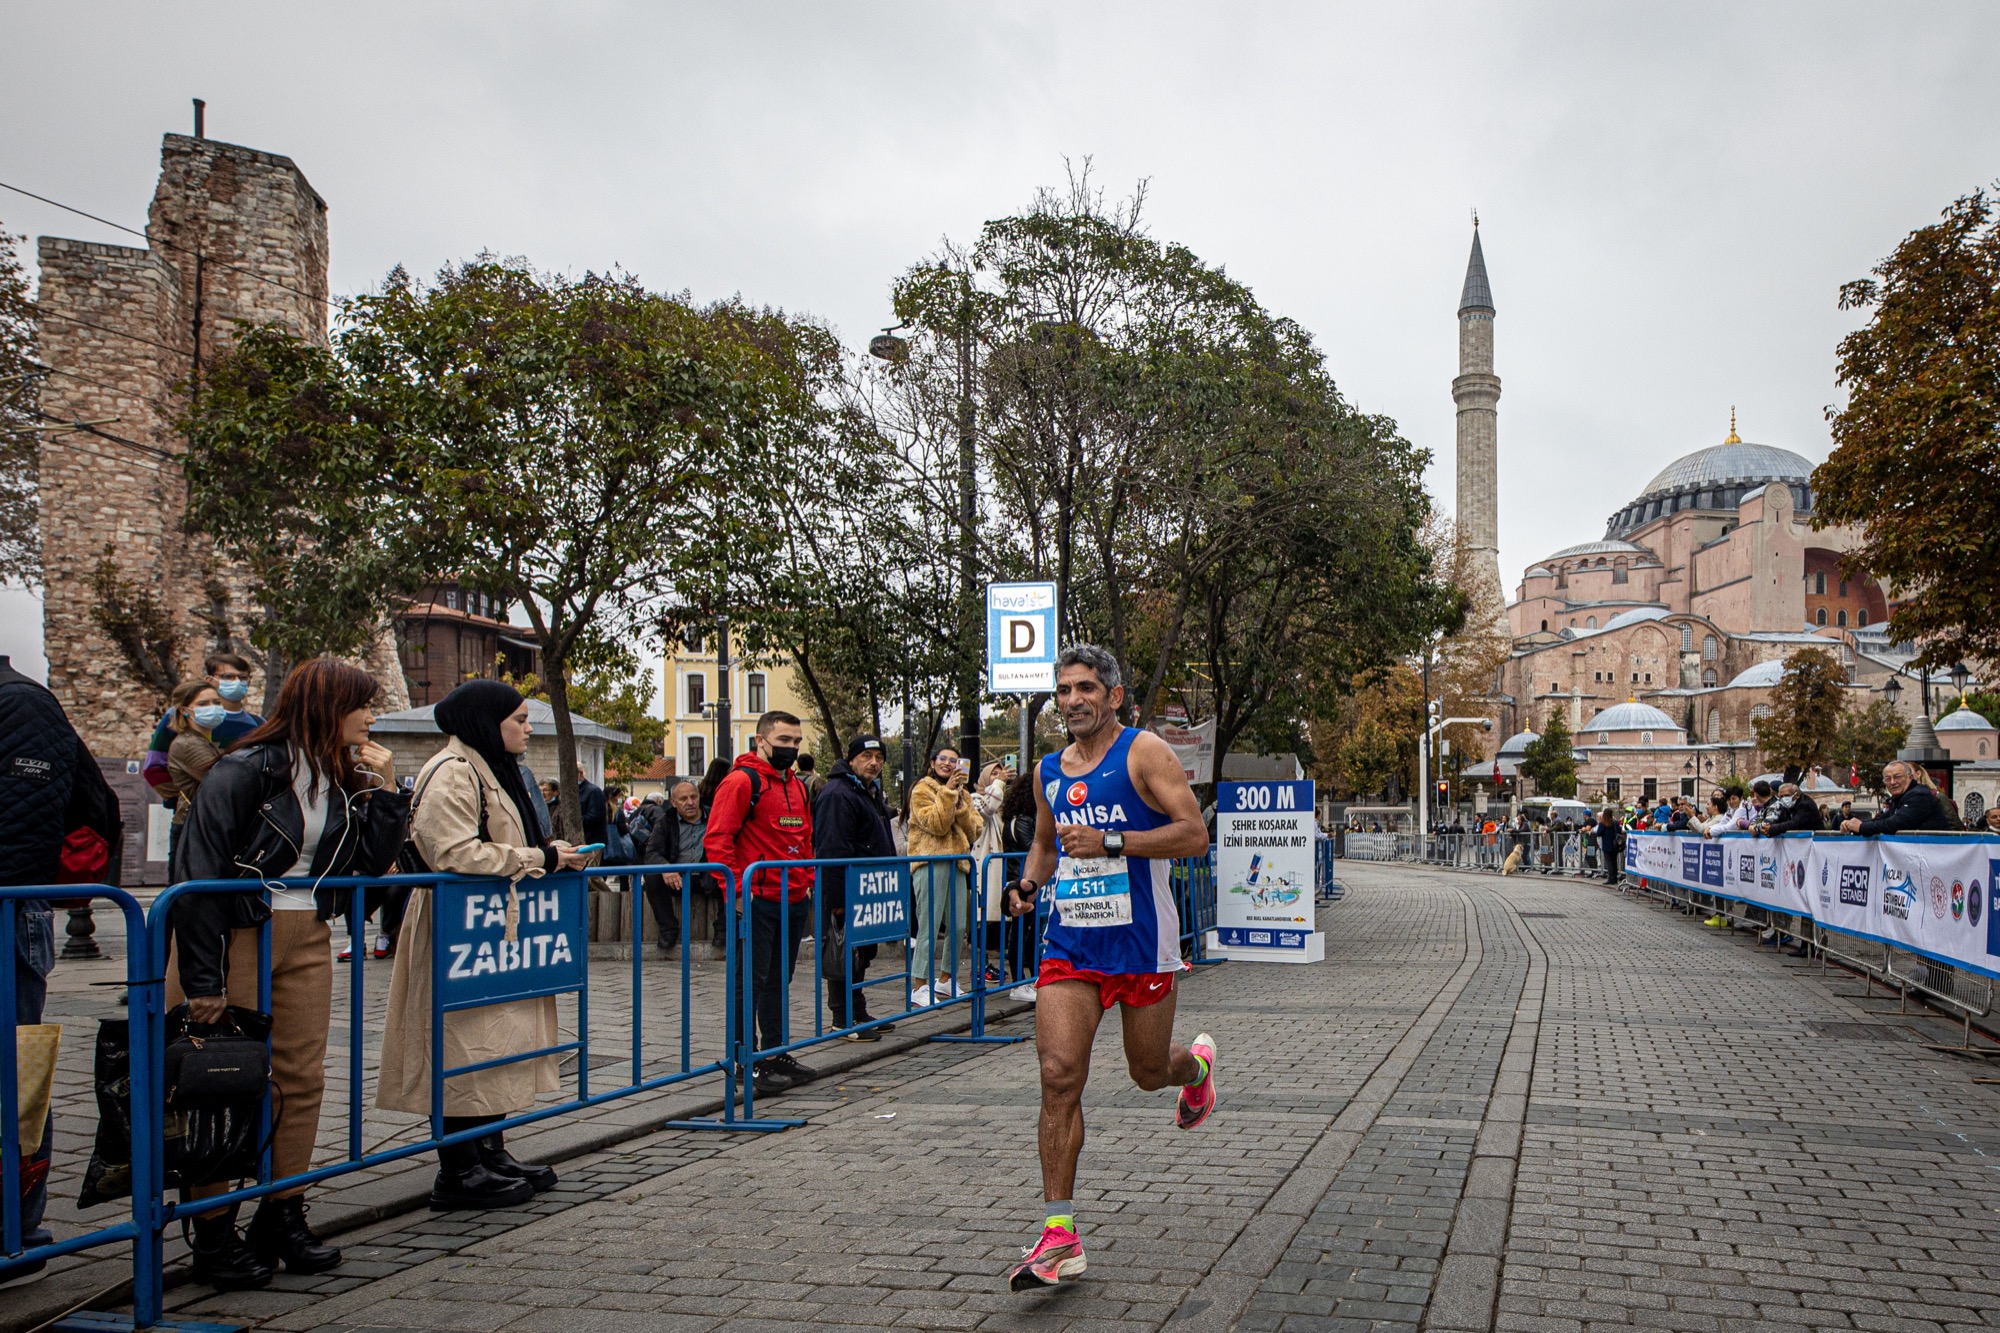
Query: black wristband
[{"x": 549, "y": 855}]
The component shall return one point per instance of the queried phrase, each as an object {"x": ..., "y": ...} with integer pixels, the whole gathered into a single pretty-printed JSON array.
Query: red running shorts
[{"x": 1137, "y": 989}]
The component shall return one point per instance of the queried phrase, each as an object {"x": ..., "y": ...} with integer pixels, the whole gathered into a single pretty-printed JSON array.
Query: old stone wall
[{"x": 234, "y": 234}]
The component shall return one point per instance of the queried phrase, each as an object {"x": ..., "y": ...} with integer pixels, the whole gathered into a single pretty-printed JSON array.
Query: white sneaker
[
  {"x": 945, "y": 990},
  {"x": 1024, "y": 992},
  {"x": 920, "y": 997}
]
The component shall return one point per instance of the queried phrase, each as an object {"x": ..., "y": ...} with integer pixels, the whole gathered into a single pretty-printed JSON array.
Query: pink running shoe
[
  {"x": 1198, "y": 1099},
  {"x": 1055, "y": 1259}
]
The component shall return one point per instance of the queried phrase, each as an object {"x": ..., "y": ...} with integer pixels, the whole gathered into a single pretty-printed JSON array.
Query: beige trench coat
[{"x": 444, "y": 827}]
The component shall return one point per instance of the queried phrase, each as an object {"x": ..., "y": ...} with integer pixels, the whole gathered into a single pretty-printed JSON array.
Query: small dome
[
  {"x": 1964, "y": 720},
  {"x": 1518, "y": 743},
  {"x": 1760, "y": 676},
  {"x": 1632, "y": 717},
  {"x": 1635, "y": 616},
  {"x": 1607, "y": 547},
  {"x": 1540, "y": 572}
]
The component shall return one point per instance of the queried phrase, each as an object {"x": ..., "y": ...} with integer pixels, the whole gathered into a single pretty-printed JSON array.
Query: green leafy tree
[
  {"x": 1550, "y": 759},
  {"x": 1916, "y": 462},
  {"x": 20, "y": 422},
  {"x": 1864, "y": 739},
  {"x": 586, "y": 449},
  {"x": 1806, "y": 706}
]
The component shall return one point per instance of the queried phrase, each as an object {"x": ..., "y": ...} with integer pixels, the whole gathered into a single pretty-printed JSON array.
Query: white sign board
[
  {"x": 1193, "y": 745},
  {"x": 1265, "y": 841},
  {"x": 1020, "y": 638}
]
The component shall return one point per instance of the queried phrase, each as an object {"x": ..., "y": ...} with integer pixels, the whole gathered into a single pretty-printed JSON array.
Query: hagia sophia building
[{"x": 1661, "y": 641}]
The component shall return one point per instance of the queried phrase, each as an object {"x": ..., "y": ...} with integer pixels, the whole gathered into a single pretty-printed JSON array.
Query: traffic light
[{"x": 1444, "y": 791}]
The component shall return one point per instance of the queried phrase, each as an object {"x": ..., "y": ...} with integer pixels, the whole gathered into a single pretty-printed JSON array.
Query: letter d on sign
[{"x": 1021, "y": 637}]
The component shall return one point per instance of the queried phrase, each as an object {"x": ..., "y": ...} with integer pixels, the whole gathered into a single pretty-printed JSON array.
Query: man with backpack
[{"x": 761, "y": 814}]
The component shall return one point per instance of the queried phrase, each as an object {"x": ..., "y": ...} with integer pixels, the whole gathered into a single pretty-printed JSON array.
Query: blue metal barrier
[{"x": 143, "y": 989}]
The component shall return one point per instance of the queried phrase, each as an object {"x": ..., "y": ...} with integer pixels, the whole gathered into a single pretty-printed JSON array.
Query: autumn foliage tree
[
  {"x": 1916, "y": 463},
  {"x": 1806, "y": 708}
]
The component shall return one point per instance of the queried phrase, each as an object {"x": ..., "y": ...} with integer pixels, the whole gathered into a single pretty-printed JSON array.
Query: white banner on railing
[{"x": 1929, "y": 894}]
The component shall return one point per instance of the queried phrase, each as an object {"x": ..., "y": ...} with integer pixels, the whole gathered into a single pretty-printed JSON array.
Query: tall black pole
[
  {"x": 725, "y": 745},
  {"x": 971, "y": 603}
]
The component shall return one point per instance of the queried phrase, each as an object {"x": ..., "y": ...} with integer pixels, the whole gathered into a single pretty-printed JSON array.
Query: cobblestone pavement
[{"x": 1523, "y": 1104}]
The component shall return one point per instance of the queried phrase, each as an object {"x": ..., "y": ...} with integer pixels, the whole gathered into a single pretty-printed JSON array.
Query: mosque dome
[
  {"x": 1518, "y": 743},
  {"x": 1761, "y": 675},
  {"x": 1718, "y": 477},
  {"x": 1964, "y": 720},
  {"x": 1607, "y": 547},
  {"x": 1632, "y": 717}
]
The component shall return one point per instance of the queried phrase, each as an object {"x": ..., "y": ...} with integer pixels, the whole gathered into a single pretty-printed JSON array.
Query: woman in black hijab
[{"x": 471, "y": 814}]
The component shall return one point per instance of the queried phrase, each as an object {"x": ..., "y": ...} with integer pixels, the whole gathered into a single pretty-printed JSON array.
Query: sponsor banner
[
  {"x": 1928, "y": 894},
  {"x": 480, "y": 964},
  {"x": 878, "y": 904},
  {"x": 1265, "y": 843},
  {"x": 1193, "y": 745}
]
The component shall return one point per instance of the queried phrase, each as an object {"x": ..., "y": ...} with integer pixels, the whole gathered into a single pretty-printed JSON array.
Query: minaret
[{"x": 1477, "y": 393}]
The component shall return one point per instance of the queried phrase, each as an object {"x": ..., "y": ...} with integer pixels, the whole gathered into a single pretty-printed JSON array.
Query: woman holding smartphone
[
  {"x": 471, "y": 814},
  {"x": 303, "y": 798}
]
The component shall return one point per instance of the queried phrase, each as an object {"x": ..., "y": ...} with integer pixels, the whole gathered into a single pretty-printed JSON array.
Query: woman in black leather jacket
[{"x": 304, "y": 798}]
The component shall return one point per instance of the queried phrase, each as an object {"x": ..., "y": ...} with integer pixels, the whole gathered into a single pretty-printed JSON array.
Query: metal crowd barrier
[{"x": 473, "y": 964}]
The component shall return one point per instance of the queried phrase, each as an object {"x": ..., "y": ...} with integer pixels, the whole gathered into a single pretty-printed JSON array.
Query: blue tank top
[{"x": 1113, "y": 915}]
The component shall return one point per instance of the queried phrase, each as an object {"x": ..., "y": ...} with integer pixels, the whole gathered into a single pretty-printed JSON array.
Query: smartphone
[
  {"x": 1011, "y": 761},
  {"x": 588, "y": 847}
]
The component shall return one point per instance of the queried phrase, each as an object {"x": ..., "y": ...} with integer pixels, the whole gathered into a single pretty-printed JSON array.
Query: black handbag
[{"x": 214, "y": 1066}]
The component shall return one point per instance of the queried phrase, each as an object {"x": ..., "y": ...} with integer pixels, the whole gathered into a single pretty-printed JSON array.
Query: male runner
[{"x": 1112, "y": 811}]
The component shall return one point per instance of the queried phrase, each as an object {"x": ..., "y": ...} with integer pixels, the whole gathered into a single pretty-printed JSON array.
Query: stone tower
[
  {"x": 1477, "y": 393},
  {"x": 233, "y": 234}
]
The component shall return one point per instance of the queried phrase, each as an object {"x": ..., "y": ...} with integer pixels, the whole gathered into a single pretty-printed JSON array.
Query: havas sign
[{"x": 1020, "y": 637}]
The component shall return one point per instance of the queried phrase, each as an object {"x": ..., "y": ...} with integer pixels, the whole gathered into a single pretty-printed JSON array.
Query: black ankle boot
[
  {"x": 493, "y": 1155},
  {"x": 279, "y": 1232},
  {"x": 463, "y": 1181},
  {"x": 221, "y": 1258}
]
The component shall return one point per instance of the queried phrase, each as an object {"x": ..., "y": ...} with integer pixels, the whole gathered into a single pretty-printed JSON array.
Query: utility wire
[
  {"x": 102, "y": 434},
  {"x": 170, "y": 245},
  {"x": 119, "y": 333}
]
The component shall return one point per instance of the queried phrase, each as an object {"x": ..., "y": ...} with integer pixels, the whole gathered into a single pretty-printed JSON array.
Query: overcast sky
[{"x": 1670, "y": 194}]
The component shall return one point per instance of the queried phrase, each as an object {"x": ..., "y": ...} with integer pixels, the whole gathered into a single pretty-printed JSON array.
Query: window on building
[
  {"x": 1687, "y": 638},
  {"x": 1649, "y": 678},
  {"x": 1709, "y": 680},
  {"x": 1545, "y": 626},
  {"x": 1590, "y": 622},
  {"x": 1611, "y": 788},
  {"x": 696, "y": 641},
  {"x": 1635, "y": 678},
  {"x": 1841, "y": 619},
  {"x": 451, "y": 599},
  {"x": 1645, "y": 738},
  {"x": 1863, "y": 622},
  {"x": 1708, "y": 647},
  {"x": 1982, "y": 749},
  {"x": 1619, "y": 574},
  {"x": 1975, "y": 808},
  {"x": 754, "y": 693},
  {"x": 1604, "y": 738},
  {"x": 1759, "y": 712},
  {"x": 1687, "y": 788},
  {"x": 697, "y": 692},
  {"x": 1843, "y": 587},
  {"x": 697, "y": 756},
  {"x": 1715, "y": 726},
  {"x": 1819, "y": 584},
  {"x": 1651, "y": 790},
  {"x": 1819, "y": 616}
]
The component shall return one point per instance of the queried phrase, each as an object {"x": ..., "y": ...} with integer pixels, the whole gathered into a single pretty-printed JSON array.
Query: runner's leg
[
  {"x": 1151, "y": 1055},
  {"x": 1066, "y": 1017}
]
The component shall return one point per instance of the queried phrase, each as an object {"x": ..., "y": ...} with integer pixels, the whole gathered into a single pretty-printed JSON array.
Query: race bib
[{"x": 1094, "y": 891}]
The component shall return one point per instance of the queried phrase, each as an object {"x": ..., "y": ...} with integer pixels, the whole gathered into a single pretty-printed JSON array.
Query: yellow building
[{"x": 689, "y": 688}]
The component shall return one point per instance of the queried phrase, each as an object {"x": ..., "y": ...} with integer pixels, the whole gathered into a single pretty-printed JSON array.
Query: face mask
[
  {"x": 783, "y": 757},
  {"x": 209, "y": 716},
  {"x": 234, "y": 690}
]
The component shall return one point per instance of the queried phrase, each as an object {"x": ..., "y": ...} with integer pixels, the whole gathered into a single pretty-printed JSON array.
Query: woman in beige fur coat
[{"x": 470, "y": 816}]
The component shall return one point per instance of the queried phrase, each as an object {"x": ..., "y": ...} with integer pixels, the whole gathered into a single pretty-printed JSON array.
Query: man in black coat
[
  {"x": 590, "y": 803},
  {"x": 49, "y": 785},
  {"x": 1911, "y": 806},
  {"x": 849, "y": 820},
  {"x": 1790, "y": 813}
]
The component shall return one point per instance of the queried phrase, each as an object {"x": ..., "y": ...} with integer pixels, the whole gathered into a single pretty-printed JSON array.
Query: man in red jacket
[{"x": 761, "y": 813}]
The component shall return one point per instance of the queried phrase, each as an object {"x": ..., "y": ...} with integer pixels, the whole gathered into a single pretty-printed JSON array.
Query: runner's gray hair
[{"x": 1097, "y": 659}]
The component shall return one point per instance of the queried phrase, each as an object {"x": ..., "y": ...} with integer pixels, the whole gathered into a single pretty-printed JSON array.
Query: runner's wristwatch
[{"x": 1114, "y": 843}]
